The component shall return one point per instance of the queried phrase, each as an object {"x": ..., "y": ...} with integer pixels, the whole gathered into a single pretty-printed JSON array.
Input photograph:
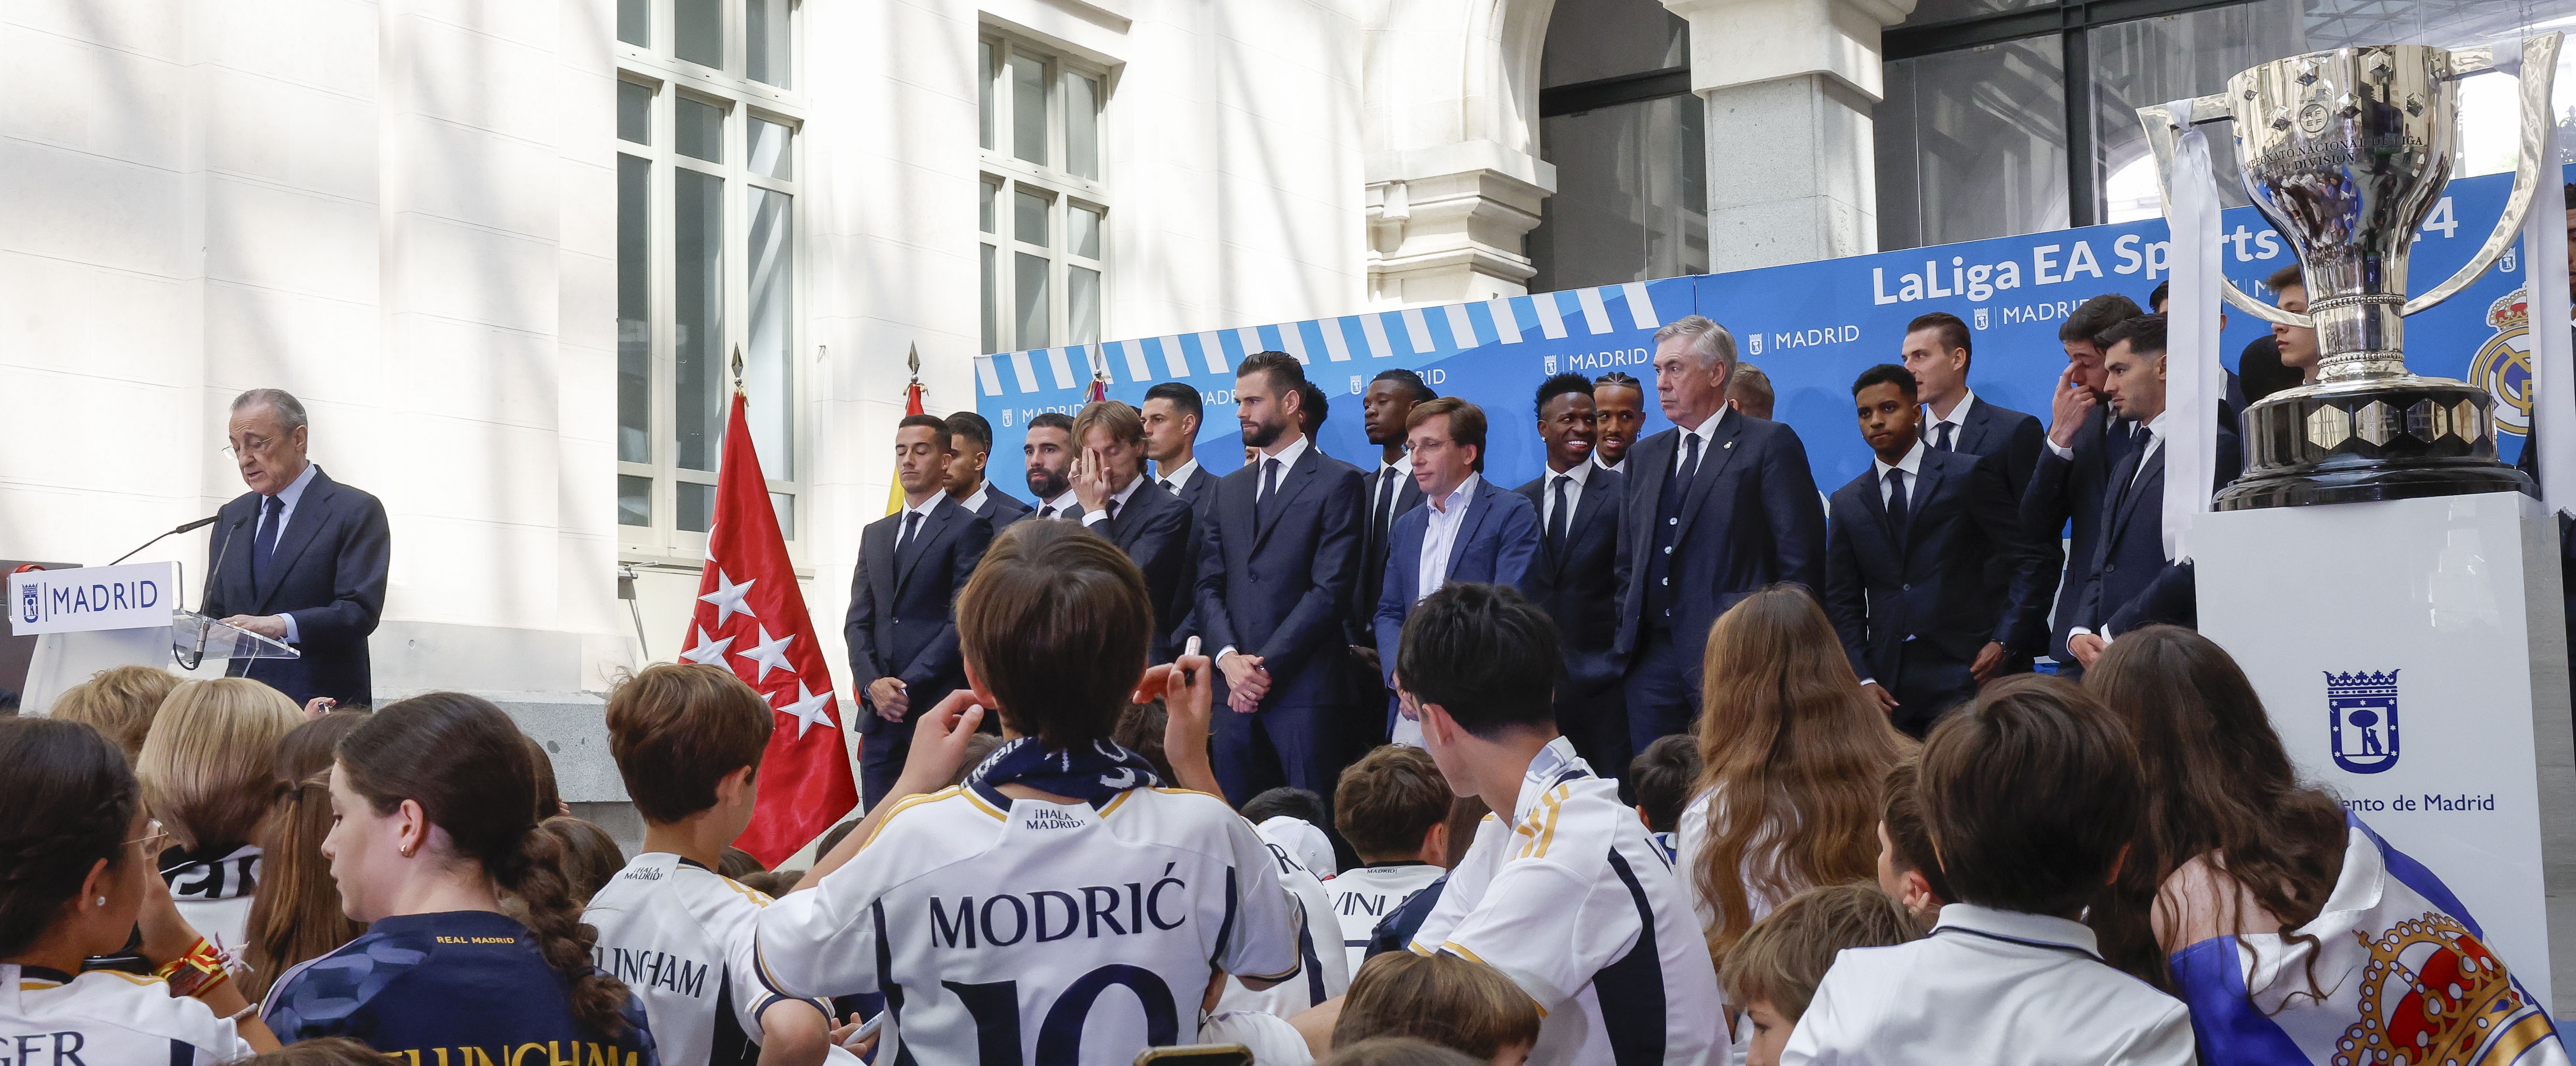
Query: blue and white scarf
[{"x": 1095, "y": 774}]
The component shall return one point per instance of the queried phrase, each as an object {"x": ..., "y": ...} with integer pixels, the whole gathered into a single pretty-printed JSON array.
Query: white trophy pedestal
[{"x": 2460, "y": 597}]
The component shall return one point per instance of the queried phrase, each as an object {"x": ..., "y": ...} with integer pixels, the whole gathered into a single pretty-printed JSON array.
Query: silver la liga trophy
[{"x": 2345, "y": 152}]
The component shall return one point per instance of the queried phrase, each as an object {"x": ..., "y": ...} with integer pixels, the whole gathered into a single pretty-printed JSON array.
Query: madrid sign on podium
[{"x": 93, "y": 618}]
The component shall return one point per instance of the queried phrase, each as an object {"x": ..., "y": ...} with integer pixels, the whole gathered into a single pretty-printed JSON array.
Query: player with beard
[
  {"x": 1620, "y": 403},
  {"x": 1277, "y": 569},
  {"x": 1049, "y": 448}
]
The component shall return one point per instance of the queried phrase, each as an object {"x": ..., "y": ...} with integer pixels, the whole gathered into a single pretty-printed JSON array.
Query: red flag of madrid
[{"x": 751, "y": 619}]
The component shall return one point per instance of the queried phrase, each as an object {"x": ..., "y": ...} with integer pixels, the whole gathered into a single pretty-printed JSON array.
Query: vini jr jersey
[
  {"x": 680, "y": 936},
  {"x": 1007, "y": 931},
  {"x": 1576, "y": 903},
  {"x": 103, "y": 1017},
  {"x": 1365, "y": 896}
]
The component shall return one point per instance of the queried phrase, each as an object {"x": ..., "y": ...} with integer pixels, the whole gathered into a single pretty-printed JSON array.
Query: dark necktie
[
  {"x": 1943, "y": 444},
  {"x": 1113, "y": 509},
  {"x": 1690, "y": 457},
  {"x": 1556, "y": 520},
  {"x": 1047, "y": 511},
  {"x": 263, "y": 541},
  {"x": 1896, "y": 504},
  {"x": 1175, "y": 490},
  {"x": 1385, "y": 500},
  {"x": 911, "y": 525},
  {"x": 1269, "y": 479}
]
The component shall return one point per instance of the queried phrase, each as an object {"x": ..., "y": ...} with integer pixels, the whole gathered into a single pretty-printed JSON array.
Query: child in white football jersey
[
  {"x": 76, "y": 880},
  {"x": 1058, "y": 907},
  {"x": 1393, "y": 807},
  {"x": 688, "y": 740},
  {"x": 1564, "y": 890}
]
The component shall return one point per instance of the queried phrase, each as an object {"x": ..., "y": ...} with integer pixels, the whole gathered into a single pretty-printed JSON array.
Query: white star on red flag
[{"x": 805, "y": 779}]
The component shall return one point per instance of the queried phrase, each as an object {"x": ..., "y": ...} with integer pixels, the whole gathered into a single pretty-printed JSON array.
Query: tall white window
[
  {"x": 707, "y": 260},
  {"x": 1045, "y": 208}
]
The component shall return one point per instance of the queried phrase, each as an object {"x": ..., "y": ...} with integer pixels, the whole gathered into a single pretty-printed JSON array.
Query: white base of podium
[
  {"x": 62, "y": 660},
  {"x": 2459, "y": 596}
]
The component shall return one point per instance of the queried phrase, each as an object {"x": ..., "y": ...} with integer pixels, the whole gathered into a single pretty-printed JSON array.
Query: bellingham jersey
[
  {"x": 1576, "y": 903},
  {"x": 1021, "y": 931},
  {"x": 1322, "y": 971},
  {"x": 1364, "y": 896},
  {"x": 680, "y": 935},
  {"x": 103, "y": 1017},
  {"x": 454, "y": 987}
]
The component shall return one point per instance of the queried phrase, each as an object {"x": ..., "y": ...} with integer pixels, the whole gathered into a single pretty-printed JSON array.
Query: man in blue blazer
[
  {"x": 2062, "y": 507},
  {"x": 1119, "y": 502},
  {"x": 1277, "y": 562},
  {"x": 1467, "y": 529},
  {"x": 902, "y": 625},
  {"x": 1576, "y": 576},
  {"x": 2131, "y": 581},
  {"x": 299, "y": 558},
  {"x": 1718, "y": 506},
  {"x": 1907, "y": 548}
]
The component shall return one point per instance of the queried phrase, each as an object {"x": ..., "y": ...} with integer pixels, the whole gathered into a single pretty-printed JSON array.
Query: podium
[
  {"x": 94, "y": 618},
  {"x": 2412, "y": 656}
]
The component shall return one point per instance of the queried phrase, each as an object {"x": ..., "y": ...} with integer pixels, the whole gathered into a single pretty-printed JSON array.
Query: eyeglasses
[
  {"x": 154, "y": 837},
  {"x": 252, "y": 445}
]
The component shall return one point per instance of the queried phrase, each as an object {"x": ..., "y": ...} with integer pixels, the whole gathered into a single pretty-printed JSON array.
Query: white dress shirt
[
  {"x": 1175, "y": 481},
  {"x": 903, "y": 517},
  {"x": 1378, "y": 482},
  {"x": 975, "y": 502},
  {"x": 287, "y": 498},
  {"x": 1581, "y": 473},
  {"x": 1287, "y": 457},
  {"x": 2155, "y": 440},
  {"x": 1119, "y": 499},
  {"x": 1062, "y": 503},
  {"x": 1448, "y": 513},
  {"x": 2001, "y": 988},
  {"x": 1912, "y": 465},
  {"x": 1957, "y": 420},
  {"x": 1702, "y": 432},
  {"x": 1620, "y": 467}
]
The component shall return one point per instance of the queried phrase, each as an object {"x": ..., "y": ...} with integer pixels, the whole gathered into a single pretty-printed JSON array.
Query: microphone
[
  {"x": 206, "y": 521},
  {"x": 189, "y": 662}
]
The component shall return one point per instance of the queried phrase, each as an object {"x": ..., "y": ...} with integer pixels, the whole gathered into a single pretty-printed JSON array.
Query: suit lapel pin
[{"x": 1730, "y": 446}]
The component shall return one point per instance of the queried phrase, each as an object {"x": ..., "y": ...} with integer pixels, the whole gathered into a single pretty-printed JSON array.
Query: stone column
[
  {"x": 1448, "y": 227},
  {"x": 1789, "y": 85}
]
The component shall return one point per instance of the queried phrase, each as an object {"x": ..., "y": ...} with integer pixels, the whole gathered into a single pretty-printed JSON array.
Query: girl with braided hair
[
  {"x": 434, "y": 805},
  {"x": 76, "y": 880}
]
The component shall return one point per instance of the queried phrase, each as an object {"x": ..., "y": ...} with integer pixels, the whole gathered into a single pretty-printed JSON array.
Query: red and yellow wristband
[{"x": 199, "y": 971}]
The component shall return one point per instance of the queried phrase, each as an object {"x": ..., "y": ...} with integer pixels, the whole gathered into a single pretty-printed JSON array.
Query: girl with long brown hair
[
  {"x": 2258, "y": 900},
  {"x": 1792, "y": 754},
  {"x": 296, "y": 914},
  {"x": 434, "y": 803}
]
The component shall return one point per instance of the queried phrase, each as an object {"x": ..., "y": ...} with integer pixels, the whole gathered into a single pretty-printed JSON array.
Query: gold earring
[{"x": 406, "y": 851}]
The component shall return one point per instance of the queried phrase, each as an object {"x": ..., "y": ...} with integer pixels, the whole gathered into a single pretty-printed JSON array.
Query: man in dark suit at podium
[
  {"x": 300, "y": 558},
  {"x": 1717, "y": 507},
  {"x": 1907, "y": 580},
  {"x": 902, "y": 625},
  {"x": 1576, "y": 579}
]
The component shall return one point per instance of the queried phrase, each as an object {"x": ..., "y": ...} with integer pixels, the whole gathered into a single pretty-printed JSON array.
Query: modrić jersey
[
  {"x": 1019, "y": 931},
  {"x": 456, "y": 987},
  {"x": 1576, "y": 903},
  {"x": 104, "y": 1017},
  {"x": 680, "y": 935}
]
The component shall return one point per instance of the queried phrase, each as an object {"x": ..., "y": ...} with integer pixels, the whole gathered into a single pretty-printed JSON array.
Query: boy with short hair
[
  {"x": 1563, "y": 891},
  {"x": 1774, "y": 970},
  {"x": 1663, "y": 779},
  {"x": 1908, "y": 871},
  {"x": 1059, "y": 906},
  {"x": 688, "y": 740},
  {"x": 2031, "y": 796},
  {"x": 1394, "y": 810}
]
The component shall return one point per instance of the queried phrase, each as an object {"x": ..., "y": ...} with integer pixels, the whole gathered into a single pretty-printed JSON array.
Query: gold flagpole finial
[{"x": 737, "y": 368}]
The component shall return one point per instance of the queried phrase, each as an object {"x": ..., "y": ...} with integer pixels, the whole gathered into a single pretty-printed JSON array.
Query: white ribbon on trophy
[
  {"x": 2194, "y": 377},
  {"x": 2553, "y": 350}
]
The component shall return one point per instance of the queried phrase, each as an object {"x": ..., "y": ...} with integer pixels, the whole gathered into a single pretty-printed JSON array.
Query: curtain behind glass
[
  {"x": 1972, "y": 144},
  {"x": 1631, "y": 197}
]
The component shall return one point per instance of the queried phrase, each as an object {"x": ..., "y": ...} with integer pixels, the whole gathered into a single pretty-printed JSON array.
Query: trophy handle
[
  {"x": 2539, "y": 68},
  {"x": 2161, "y": 131}
]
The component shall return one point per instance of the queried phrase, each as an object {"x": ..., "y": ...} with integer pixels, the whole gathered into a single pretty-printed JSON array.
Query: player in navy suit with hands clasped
[
  {"x": 902, "y": 625},
  {"x": 1576, "y": 577},
  {"x": 1467, "y": 529},
  {"x": 1907, "y": 575}
]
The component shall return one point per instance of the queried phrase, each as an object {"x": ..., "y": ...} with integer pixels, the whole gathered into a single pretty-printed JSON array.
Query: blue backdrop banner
[{"x": 1813, "y": 327}]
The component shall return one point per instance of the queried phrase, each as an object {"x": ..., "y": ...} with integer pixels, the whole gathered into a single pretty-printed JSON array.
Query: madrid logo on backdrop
[{"x": 2361, "y": 714}]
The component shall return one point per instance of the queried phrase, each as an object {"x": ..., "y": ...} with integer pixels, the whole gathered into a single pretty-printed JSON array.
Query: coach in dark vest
[{"x": 299, "y": 558}]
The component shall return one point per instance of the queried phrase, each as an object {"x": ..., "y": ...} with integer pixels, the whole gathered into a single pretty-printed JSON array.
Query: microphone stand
[
  {"x": 206, "y": 521},
  {"x": 190, "y": 660}
]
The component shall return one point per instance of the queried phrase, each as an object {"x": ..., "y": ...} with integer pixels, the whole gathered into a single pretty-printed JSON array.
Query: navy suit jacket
[
  {"x": 1373, "y": 547},
  {"x": 1748, "y": 519},
  {"x": 2130, "y": 582},
  {"x": 1199, "y": 492},
  {"x": 902, "y": 621},
  {"x": 1578, "y": 586},
  {"x": 328, "y": 570},
  {"x": 2009, "y": 437},
  {"x": 1156, "y": 530},
  {"x": 2064, "y": 491},
  {"x": 1276, "y": 581},
  {"x": 1929, "y": 582},
  {"x": 1000, "y": 508},
  {"x": 1497, "y": 544}
]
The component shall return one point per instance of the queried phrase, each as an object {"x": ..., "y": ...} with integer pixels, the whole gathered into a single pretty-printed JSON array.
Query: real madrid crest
[{"x": 2503, "y": 364}]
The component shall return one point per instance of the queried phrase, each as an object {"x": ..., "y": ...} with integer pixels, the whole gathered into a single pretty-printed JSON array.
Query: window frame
[
  {"x": 1002, "y": 171},
  {"x": 669, "y": 79}
]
